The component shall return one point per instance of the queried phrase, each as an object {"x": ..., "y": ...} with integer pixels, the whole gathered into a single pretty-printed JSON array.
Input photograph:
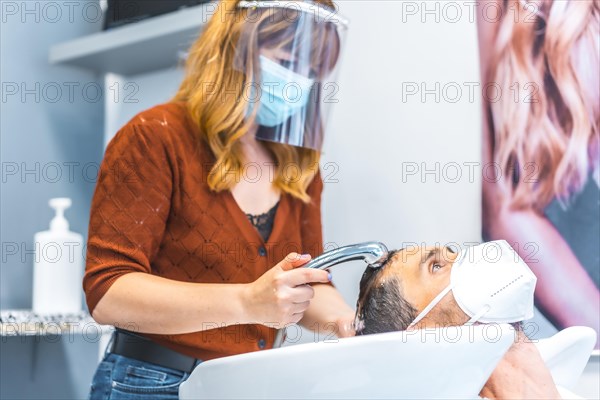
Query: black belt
[{"x": 130, "y": 345}]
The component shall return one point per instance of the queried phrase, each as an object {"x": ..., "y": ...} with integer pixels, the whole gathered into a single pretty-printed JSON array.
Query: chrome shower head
[{"x": 373, "y": 253}]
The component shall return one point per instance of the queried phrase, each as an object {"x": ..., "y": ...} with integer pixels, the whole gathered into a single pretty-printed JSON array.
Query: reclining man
[{"x": 417, "y": 288}]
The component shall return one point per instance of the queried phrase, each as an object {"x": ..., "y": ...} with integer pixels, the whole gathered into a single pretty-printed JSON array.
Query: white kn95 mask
[{"x": 490, "y": 283}]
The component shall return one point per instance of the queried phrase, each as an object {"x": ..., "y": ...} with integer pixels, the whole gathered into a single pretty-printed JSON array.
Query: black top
[{"x": 264, "y": 222}]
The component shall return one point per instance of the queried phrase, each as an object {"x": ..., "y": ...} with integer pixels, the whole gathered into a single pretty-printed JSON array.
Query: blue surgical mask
[{"x": 283, "y": 93}]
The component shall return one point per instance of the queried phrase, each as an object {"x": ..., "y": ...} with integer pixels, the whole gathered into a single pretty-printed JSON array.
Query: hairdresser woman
[{"x": 207, "y": 206}]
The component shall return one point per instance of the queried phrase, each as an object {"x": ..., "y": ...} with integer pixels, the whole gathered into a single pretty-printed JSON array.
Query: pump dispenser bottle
[{"x": 58, "y": 265}]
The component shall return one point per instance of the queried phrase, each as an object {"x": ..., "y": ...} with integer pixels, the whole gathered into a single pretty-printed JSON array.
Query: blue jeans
[{"x": 122, "y": 378}]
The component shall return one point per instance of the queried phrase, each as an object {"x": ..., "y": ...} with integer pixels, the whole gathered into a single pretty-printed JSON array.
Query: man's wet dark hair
[{"x": 381, "y": 307}]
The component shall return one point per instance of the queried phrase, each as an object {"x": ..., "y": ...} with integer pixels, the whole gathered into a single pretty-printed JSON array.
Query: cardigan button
[
  {"x": 262, "y": 251},
  {"x": 262, "y": 343}
]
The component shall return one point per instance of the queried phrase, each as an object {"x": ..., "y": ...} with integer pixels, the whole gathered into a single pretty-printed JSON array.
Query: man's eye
[{"x": 436, "y": 267}]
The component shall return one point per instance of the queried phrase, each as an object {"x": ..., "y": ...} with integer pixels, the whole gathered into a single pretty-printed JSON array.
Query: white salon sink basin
[{"x": 446, "y": 363}]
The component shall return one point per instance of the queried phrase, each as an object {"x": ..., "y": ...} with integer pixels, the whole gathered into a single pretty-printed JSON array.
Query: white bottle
[{"x": 58, "y": 265}]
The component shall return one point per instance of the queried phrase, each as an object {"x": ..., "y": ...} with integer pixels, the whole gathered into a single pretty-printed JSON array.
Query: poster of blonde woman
[{"x": 541, "y": 62}]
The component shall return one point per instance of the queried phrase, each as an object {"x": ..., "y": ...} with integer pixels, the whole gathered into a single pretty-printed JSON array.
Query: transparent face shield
[{"x": 290, "y": 53}]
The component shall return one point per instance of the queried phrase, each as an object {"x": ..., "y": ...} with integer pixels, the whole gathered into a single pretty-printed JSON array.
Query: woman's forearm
[
  {"x": 151, "y": 304},
  {"x": 328, "y": 313},
  {"x": 564, "y": 289}
]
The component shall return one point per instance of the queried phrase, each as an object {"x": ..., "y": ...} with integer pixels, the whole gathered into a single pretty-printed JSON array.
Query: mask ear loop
[
  {"x": 432, "y": 304},
  {"x": 478, "y": 315}
]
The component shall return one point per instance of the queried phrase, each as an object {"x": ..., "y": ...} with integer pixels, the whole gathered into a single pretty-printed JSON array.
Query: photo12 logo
[
  {"x": 51, "y": 12},
  {"x": 68, "y": 91}
]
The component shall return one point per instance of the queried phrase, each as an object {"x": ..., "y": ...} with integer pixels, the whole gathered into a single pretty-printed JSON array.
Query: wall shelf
[
  {"x": 28, "y": 323},
  {"x": 143, "y": 46}
]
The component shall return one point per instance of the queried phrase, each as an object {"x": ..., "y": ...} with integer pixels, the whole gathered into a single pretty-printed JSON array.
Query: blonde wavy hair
[
  {"x": 546, "y": 143},
  {"x": 221, "y": 64}
]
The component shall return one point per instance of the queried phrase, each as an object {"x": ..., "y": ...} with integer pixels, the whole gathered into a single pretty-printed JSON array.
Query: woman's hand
[{"x": 282, "y": 294}]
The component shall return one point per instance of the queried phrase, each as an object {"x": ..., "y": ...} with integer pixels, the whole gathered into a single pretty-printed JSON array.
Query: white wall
[{"x": 376, "y": 136}]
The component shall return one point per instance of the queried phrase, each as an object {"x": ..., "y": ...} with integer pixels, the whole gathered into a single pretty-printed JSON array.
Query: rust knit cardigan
[{"x": 152, "y": 211}]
